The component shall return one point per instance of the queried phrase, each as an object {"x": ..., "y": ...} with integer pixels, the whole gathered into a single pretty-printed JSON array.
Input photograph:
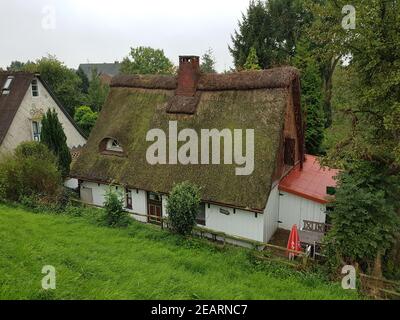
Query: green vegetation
[
  {"x": 97, "y": 92},
  {"x": 252, "y": 60},
  {"x": 115, "y": 215},
  {"x": 31, "y": 171},
  {"x": 54, "y": 138},
  {"x": 183, "y": 206},
  {"x": 86, "y": 118},
  {"x": 368, "y": 199},
  {"x": 208, "y": 62},
  {"x": 146, "y": 60},
  {"x": 138, "y": 262}
]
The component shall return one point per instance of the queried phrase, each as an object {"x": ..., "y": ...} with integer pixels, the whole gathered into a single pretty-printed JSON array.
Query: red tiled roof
[{"x": 311, "y": 181}]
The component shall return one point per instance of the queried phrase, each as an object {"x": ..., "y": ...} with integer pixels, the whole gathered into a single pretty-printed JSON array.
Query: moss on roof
[{"x": 130, "y": 112}]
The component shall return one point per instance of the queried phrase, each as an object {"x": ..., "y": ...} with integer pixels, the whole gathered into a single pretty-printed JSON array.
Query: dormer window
[
  {"x": 7, "y": 85},
  {"x": 111, "y": 146},
  {"x": 35, "y": 88}
]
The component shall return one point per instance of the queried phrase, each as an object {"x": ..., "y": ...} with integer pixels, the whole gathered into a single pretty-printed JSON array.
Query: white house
[
  {"x": 24, "y": 99},
  {"x": 247, "y": 206}
]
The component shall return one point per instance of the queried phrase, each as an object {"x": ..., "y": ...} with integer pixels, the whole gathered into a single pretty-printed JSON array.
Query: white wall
[
  {"x": 139, "y": 204},
  {"x": 21, "y": 127},
  {"x": 271, "y": 214},
  {"x": 242, "y": 223},
  {"x": 294, "y": 209}
]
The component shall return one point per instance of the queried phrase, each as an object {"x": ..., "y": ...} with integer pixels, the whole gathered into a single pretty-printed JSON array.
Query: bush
[
  {"x": 30, "y": 171},
  {"x": 182, "y": 207},
  {"x": 115, "y": 214}
]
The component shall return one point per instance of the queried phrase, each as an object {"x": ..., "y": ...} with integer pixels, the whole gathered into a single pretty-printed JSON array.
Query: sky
[{"x": 96, "y": 31}]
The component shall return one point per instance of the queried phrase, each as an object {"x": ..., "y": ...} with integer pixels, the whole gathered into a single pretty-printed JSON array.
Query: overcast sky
[{"x": 80, "y": 31}]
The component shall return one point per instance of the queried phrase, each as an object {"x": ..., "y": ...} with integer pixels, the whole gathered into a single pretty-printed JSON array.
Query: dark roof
[
  {"x": 10, "y": 103},
  {"x": 311, "y": 181},
  {"x": 136, "y": 104},
  {"x": 111, "y": 69}
]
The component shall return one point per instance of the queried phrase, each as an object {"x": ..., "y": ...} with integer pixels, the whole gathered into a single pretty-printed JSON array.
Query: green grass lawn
[{"x": 139, "y": 262}]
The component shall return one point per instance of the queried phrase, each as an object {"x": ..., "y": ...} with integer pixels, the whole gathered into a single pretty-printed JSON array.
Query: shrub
[
  {"x": 115, "y": 215},
  {"x": 183, "y": 205},
  {"x": 30, "y": 171}
]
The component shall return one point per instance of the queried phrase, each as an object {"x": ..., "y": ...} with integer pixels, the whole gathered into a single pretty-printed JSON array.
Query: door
[
  {"x": 154, "y": 208},
  {"x": 87, "y": 195},
  {"x": 289, "y": 211}
]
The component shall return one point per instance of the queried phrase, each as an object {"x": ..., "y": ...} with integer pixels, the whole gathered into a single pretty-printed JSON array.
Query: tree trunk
[{"x": 329, "y": 69}]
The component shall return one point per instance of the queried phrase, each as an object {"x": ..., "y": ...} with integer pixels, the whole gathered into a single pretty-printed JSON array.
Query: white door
[{"x": 289, "y": 211}]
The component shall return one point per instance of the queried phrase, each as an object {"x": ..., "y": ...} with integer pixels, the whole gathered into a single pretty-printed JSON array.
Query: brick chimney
[{"x": 188, "y": 75}]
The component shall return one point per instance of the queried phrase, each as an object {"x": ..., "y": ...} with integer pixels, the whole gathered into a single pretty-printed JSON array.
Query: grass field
[{"x": 139, "y": 262}]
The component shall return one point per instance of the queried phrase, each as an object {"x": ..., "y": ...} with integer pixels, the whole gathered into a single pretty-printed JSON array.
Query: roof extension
[{"x": 311, "y": 181}]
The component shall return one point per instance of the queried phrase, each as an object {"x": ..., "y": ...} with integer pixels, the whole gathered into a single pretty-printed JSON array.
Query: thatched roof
[{"x": 136, "y": 104}]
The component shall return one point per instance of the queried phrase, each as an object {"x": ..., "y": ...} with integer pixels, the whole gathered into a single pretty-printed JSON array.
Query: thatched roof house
[{"x": 267, "y": 101}]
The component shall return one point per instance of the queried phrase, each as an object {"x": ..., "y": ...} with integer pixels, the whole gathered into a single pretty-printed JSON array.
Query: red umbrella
[{"x": 294, "y": 242}]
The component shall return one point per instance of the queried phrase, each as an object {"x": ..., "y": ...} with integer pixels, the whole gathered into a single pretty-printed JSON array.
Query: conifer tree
[{"x": 53, "y": 136}]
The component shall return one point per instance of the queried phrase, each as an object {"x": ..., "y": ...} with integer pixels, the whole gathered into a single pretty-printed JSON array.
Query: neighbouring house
[
  {"x": 247, "y": 206},
  {"x": 106, "y": 71},
  {"x": 24, "y": 99}
]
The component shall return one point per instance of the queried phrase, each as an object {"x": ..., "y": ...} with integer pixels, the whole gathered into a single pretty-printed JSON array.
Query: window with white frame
[
  {"x": 113, "y": 145},
  {"x": 35, "y": 88},
  {"x": 7, "y": 85},
  {"x": 36, "y": 130}
]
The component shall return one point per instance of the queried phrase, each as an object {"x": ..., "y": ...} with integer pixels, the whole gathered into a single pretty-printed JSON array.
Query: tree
[
  {"x": 311, "y": 97},
  {"x": 183, "y": 206},
  {"x": 86, "y": 118},
  {"x": 252, "y": 61},
  {"x": 208, "y": 62},
  {"x": 16, "y": 66},
  {"x": 272, "y": 28},
  {"x": 115, "y": 214},
  {"x": 64, "y": 82},
  {"x": 371, "y": 152},
  {"x": 53, "y": 136},
  {"x": 146, "y": 60},
  {"x": 97, "y": 92},
  {"x": 84, "y": 80}
]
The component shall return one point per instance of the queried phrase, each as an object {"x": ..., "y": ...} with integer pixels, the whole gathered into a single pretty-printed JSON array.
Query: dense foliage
[
  {"x": 86, "y": 118},
  {"x": 97, "y": 92},
  {"x": 53, "y": 136},
  {"x": 370, "y": 154},
  {"x": 183, "y": 206},
  {"x": 146, "y": 60},
  {"x": 30, "y": 171},
  {"x": 208, "y": 62},
  {"x": 115, "y": 216},
  {"x": 272, "y": 29}
]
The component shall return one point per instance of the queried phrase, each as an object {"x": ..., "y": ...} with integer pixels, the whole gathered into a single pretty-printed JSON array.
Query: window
[
  {"x": 128, "y": 199},
  {"x": 36, "y": 130},
  {"x": 201, "y": 215},
  {"x": 113, "y": 145},
  {"x": 7, "y": 85},
  {"x": 289, "y": 151},
  {"x": 35, "y": 88}
]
